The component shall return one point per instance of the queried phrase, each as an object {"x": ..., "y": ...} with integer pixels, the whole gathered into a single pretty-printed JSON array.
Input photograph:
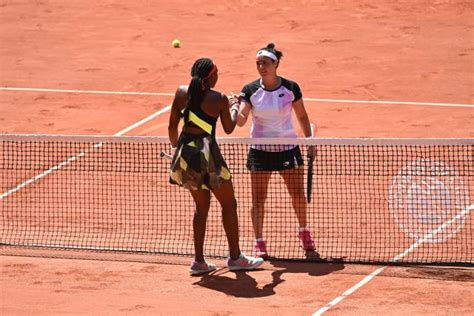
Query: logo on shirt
[{"x": 281, "y": 95}]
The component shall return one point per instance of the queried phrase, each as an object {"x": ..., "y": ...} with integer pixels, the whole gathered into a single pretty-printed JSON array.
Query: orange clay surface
[{"x": 411, "y": 51}]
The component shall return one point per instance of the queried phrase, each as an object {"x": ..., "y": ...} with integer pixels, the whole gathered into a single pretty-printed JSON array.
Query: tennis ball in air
[{"x": 176, "y": 43}]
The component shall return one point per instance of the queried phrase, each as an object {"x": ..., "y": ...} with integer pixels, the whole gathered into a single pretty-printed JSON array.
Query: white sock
[
  {"x": 304, "y": 228},
  {"x": 259, "y": 240}
]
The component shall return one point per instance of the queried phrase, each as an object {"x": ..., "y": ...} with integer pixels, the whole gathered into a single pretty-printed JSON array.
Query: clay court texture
[{"x": 367, "y": 69}]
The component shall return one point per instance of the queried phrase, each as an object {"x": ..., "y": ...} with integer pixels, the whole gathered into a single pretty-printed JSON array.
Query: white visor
[{"x": 266, "y": 53}]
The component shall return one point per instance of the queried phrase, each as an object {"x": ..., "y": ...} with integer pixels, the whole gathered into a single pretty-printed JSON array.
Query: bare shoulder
[
  {"x": 180, "y": 97},
  {"x": 217, "y": 97},
  {"x": 181, "y": 91}
]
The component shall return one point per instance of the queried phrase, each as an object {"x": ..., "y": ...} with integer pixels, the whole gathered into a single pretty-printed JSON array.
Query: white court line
[
  {"x": 395, "y": 259},
  {"x": 81, "y": 154},
  {"x": 392, "y": 102},
  {"x": 133, "y": 126},
  {"x": 47, "y": 172},
  {"x": 85, "y": 91},
  {"x": 305, "y": 99}
]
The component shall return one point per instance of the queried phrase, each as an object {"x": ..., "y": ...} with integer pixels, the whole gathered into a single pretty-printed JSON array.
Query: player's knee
[
  {"x": 203, "y": 208},
  {"x": 200, "y": 216},
  {"x": 297, "y": 193},
  {"x": 258, "y": 201},
  {"x": 230, "y": 204}
]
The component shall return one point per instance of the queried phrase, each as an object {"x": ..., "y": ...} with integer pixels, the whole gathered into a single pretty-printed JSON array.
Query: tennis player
[
  {"x": 270, "y": 99},
  {"x": 197, "y": 162}
]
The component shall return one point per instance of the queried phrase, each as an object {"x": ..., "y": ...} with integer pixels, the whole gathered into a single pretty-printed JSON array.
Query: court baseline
[{"x": 305, "y": 99}]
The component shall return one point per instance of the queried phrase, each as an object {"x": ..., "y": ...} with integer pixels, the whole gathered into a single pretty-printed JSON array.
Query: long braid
[{"x": 200, "y": 70}]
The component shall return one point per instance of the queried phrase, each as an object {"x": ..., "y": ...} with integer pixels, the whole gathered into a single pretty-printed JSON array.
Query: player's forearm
[
  {"x": 243, "y": 114},
  {"x": 234, "y": 115},
  {"x": 241, "y": 119},
  {"x": 229, "y": 128},
  {"x": 173, "y": 135},
  {"x": 305, "y": 125},
  {"x": 229, "y": 116}
]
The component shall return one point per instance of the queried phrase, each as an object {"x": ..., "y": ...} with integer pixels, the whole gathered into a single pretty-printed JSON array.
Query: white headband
[{"x": 266, "y": 53}]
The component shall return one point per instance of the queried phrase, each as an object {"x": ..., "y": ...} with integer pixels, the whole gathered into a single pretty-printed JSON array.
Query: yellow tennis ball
[{"x": 176, "y": 43}]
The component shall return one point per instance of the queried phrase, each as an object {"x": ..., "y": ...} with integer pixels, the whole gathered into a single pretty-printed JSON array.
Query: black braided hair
[
  {"x": 201, "y": 69},
  {"x": 271, "y": 48}
]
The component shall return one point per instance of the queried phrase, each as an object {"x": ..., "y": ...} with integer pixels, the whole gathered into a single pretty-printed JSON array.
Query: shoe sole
[
  {"x": 200, "y": 272},
  {"x": 312, "y": 254}
]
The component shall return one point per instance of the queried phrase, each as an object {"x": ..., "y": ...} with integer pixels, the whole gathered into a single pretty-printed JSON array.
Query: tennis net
[{"x": 373, "y": 200}]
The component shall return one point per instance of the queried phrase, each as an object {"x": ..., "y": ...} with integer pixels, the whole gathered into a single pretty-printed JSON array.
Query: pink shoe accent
[
  {"x": 244, "y": 263},
  {"x": 198, "y": 268},
  {"x": 308, "y": 243},
  {"x": 260, "y": 249}
]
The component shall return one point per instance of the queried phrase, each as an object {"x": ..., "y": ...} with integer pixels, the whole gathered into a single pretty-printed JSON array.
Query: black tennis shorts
[{"x": 259, "y": 160}]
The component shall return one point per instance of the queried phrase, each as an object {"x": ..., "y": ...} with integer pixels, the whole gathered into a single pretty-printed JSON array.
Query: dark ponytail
[{"x": 200, "y": 72}]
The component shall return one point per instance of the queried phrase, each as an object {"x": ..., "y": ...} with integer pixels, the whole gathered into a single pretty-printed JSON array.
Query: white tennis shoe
[{"x": 244, "y": 263}]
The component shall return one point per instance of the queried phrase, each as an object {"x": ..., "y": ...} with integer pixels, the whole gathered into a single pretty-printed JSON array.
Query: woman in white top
[{"x": 270, "y": 99}]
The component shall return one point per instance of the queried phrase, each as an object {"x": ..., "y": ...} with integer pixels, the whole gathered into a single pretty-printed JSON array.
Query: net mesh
[{"x": 399, "y": 201}]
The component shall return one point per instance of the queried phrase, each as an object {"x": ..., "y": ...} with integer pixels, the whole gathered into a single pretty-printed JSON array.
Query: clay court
[{"x": 384, "y": 69}]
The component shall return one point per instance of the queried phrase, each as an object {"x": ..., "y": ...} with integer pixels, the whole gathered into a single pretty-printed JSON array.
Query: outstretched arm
[
  {"x": 244, "y": 112},
  {"x": 229, "y": 110}
]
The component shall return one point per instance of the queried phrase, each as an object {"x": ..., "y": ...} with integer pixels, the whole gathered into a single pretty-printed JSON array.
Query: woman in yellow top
[{"x": 198, "y": 164}]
